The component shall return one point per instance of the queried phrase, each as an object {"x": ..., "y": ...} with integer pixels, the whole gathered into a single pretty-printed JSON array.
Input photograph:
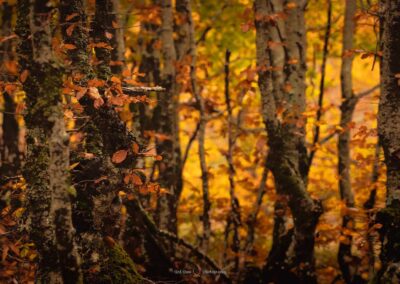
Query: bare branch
[{"x": 141, "y": 90}]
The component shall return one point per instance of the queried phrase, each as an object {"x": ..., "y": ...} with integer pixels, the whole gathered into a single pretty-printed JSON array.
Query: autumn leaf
[
  {"x": 96, "y": 83},
  {"x": 115, "y": 80},
  {"x": 135, "y": 148},
  {"x": 70, "y": 29},
  {"x": 68, "y": 46},
  {"x": 93, "y": 93},
  {"x": 108, "y": 35},
  {"x": 10, "y": 88},
  {"x": 71, "y": 16},
  {"x": 119, "y": 156},
  {"x": 23, "y": 76},
  {"x": 291, "y": 5},
  {"x": 133, "y": 178}
]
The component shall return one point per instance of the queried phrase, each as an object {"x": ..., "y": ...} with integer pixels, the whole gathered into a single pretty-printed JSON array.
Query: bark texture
[
  {"x": 389, "y": 135},
  {"x": 166, "y": 122},
  {"x": 281, "y": 64},
  {"x": 344, "y": 160},
  {"x": 46, "y": 169},
  {"x": 9, "y": 152}
]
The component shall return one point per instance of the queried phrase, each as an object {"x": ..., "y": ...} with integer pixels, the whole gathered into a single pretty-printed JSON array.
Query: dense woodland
[{"x": 200, "y": 141}]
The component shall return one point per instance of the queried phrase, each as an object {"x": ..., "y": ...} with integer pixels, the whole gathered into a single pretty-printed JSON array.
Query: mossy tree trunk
[
  {"x": 389, "y": 136},
  {"x": 46, "y": 170},
  {"x": 281, "y": 63}
]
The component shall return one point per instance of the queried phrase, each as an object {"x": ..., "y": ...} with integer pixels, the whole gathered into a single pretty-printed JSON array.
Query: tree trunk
[
  {"x": 389, "y": 135},
  {"x": 166, "y": 123},
  {"x": 97, "y": 206},
  {"x": 46, "y": 169},
  {"x": 281, "y": 69},
  {"x": 9, "y": 152},
  {"x": 347, "y": 109}
]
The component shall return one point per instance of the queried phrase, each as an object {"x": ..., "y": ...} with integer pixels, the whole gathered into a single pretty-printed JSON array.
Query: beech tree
[
  {"x": 281, "y": 65},
  {"x": 161, "y": 141}
]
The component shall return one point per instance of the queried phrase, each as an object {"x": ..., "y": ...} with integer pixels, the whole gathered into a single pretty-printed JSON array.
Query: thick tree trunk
[
  {"x": 347, "y": 108},
  {"x": 281, "y": 69},
  {"x": 46, "y": 169},
  {"x": 9, "y": 152},
  {"x": 389, "y": 135},
  {"x": 166, "y": 122},
  {"x": 97, "y": 206}
]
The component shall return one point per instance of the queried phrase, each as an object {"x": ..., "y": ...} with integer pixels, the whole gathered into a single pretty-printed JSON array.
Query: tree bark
[
  {"x": 166, "y": 122},
  {"x": 46, "y": 169},
  {"x": 9, "y": 152},
  {"x": 345, "y": 256},
  {"x": 389, "y": 136},
  {"x": 281, "y": 65}
]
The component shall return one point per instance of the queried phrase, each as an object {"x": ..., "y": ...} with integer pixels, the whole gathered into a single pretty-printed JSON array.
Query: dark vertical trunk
[
  {"x": 9, "y": 152},
  {"x": 46, "y": 170},
  {"x": 102, "y": 27},
  {"x": 281, "y": 70},
  {"x": 166, "y": 123},
  {"x": 117, "y": 40},
  {"x": 186, "y": 49},
  {"x": 149, "y": 67},
  {"x": 345, "y": 256},
  {"x": 97, "y": 206},
  {"x": 389, "y": 136},
  {"x": 233, "y": 221}
]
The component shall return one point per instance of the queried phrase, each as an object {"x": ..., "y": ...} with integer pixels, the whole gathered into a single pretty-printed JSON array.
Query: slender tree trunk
[
  {"x": 368, "y": 206},
  {"x": 46, "y": 169},
  {"x": 117, "y": 40},
  {"x": 149, "y": 67},
  {"x": 9, "y": 152},
  {"x": 166, "y": 122},
  {"x": 233, "y": 221},
  {"x": 389, "y": 135},
  {"x": 186, "y": 49},
  {"x": 345, "y": 256},
  {"x": 281, "y": 70}
]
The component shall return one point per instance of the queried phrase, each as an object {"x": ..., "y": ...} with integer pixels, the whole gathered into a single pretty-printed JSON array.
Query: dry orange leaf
[
  {"x": 70, "y": 29},
  {"x": 69, "y": 46},
  {"x": 23, "y": 76},
  {"x": 115, "y": 80},
  {"x": 119, "y": 156},
  {"x": 70, "y": 17},
  {"x": 135, "y": 148}
]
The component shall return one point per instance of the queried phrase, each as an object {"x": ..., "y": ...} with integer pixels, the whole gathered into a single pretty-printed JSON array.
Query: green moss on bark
[{"x": 118, "y": 268}]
